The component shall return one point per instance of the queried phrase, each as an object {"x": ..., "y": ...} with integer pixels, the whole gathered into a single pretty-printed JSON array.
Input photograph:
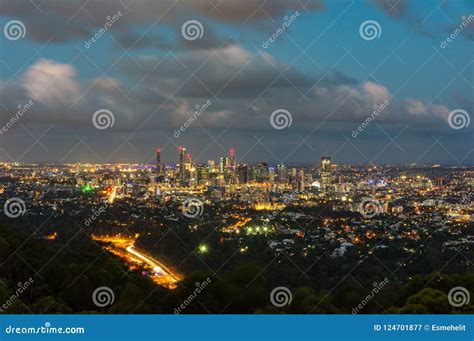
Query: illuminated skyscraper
[
  {"x": 300, "y": 182},
  {"x": 159, "y": 166},
  {"x": 243, "y": 171},
  {"x": 232, "y": 167},
  {"x": 202, "y": 174},
  {"x": 282, "y": 174},
  {"x": 182, "y": 160},
  {"x": 271, "y": 174},
  {"x": 325, "y": 172},
  {"x": 260, "y": 172},
  {"x": 223, "y": 162},
  {"x": 232, "y": 164}
]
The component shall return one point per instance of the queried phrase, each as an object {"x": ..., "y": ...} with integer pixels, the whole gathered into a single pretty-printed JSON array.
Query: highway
[
  {"x": 124, "y": 248},
  {"x": 154, "y": 264}
]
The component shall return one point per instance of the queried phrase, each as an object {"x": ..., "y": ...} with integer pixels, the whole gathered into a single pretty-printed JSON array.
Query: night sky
[{"x": 323, "y": 73}]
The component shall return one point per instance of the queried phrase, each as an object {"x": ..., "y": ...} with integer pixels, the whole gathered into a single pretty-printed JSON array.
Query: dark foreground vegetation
[{"x": 64, "y": 276}]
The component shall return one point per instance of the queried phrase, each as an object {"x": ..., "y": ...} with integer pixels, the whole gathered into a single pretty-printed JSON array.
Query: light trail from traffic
[{"x": 124, "y": 247}]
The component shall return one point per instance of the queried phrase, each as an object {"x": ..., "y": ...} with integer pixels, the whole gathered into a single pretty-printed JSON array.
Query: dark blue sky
[{"x": 403, "y": 94}]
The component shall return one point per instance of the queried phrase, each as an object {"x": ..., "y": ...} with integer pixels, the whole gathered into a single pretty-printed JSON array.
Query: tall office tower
[
  {"x": 261, "y": 172},
  {"x": 202, "y": 175},
  {"x": 223, "y": 164},
  {"x": 271, "y": 174},
  {"x": 159, "y": 166},
  {"x": 300, "y": 182},
  {"x": 211, "y": 164},
  {"x": 191, "y": 174},
  {"x": 243, "y": 172},
  {"x": 213, "y": 178},
  {"x": 182, "y": 160},
  {"x": 281, "y": 176},
  {"x": 325, "y": 172},
  {"x": 232, "y": 166},
  {"x": 292, "y": 177}
]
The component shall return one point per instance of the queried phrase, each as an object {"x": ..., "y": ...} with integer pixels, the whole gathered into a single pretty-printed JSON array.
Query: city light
[{"x": 203, "y": 248}]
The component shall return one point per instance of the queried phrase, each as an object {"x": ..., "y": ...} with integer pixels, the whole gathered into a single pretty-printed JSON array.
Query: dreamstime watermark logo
[
  {"x": 459, "y": 296},
  {"x": 103, "y": 119},
  {"x": 22, "y": 109},
  {"x": 14, "y": 30},
  {"x": 281, "y": 119},
  {"x": 14, "y": 207},
  {"x": 377, "y": 288},
  {"x": 199, "y": 110},
  {"x": 103, "y": 296},
  {"x": 378, "y": 109},
  {"x": 192, "y": 208},
  {"x": 370, "y": 207},
  {"x": 199, "y": 289},
  {"x": 108, "y": 24},
  {"x": 464, "y": 23},
  {"x": 286, "y": 24},
  {"x": 281, "y": 296},
  {"x": 459, "y": 119},
  {"x": 466, "y": 198},
  {"x": 370, "y": 30},
  {"x": 95, "y": 214},
  {"x": 47, "y": 329},
  {"x": 21, "y": 288},
  {"x": 192, "y": 30}
]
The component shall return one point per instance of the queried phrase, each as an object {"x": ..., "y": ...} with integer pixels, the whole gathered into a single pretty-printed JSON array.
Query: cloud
[
  {"x": 244, "y": 87},
  {"x": 60, "y": 21},
  {"x": 51, "y": 83},
  {"x": 239, "y": 11},
  {"x": 415, "y": 107}
]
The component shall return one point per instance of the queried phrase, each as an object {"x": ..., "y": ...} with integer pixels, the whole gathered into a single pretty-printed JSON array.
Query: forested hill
[{"x": 60, "y": 276}]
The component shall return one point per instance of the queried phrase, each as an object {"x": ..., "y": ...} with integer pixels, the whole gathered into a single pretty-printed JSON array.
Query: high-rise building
[
  {"x": 282, "y": 174},
  {"x": 232, "y": 167},
  {"x": 260, "y": 172},
  {"x": 159, "y": 166},
  {"x": 182, "y": 161},
  {"x": 243, "y": 172},
  {"x": 223, "y": 164},
  {"x": 325, "y": 172},
  {"x": 271, "y": 174},
  {"x": 300, "y": 185},
  {"x": 232, "y": 164},
  {"x": 202, "y": 175}
]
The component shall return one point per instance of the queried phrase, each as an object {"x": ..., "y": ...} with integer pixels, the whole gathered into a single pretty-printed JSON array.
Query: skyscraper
[
  {"x": 232, "y": 167},
  {"x": 260, "y": 172},
  {"x": 282, "y": 174},
  {"x": 182, "y": 160},
  {"x": 202, "y": 174},
  {"x": 159, "y": 166},
  {"x": 243, "y": 171}
]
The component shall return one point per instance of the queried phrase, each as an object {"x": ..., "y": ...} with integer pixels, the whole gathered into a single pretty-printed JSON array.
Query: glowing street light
[{"x": 203, "y": 248}]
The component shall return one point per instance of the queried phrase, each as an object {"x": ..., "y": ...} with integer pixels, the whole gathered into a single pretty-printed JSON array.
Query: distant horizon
[{"x": 269, "y": 163}]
